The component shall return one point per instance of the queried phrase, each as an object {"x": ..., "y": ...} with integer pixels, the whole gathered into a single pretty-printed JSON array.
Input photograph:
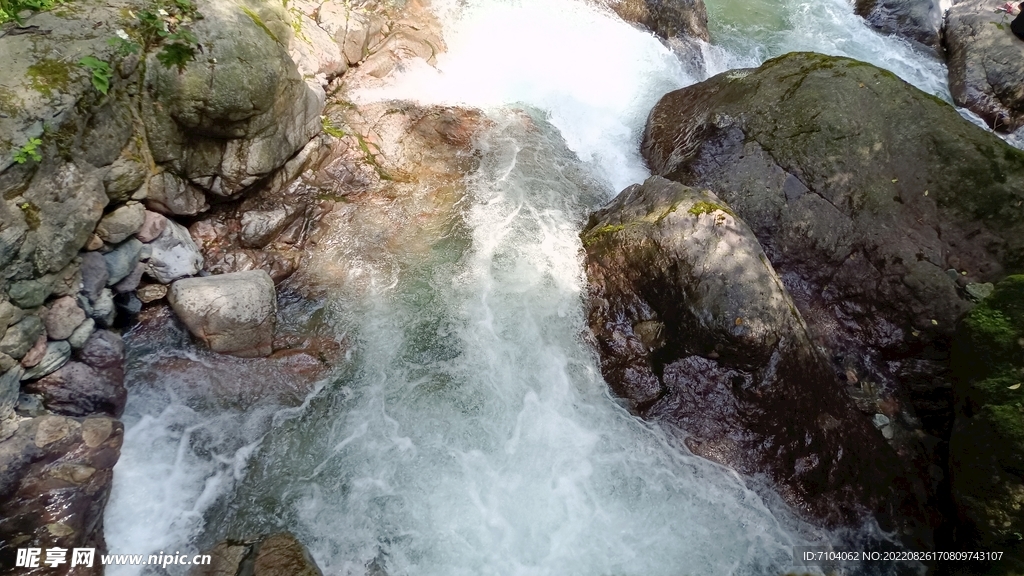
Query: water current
[{"x": 468, "y": 431}]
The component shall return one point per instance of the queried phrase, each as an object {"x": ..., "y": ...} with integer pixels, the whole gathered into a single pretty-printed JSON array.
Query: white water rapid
[{"x": 470, "y": 432}]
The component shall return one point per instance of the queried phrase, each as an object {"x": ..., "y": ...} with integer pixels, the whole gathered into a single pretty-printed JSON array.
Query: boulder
[
  {"x": 171, "y": 195},
  {"x": 77, "y": 389},
  {"x": 63, "y": 317},
  {"x": 917, "y": 20},
  {"x": 123, "y": 222},
  {"x": 274, "y": 555},
  {"x": 174, "y": 255},
  {"x": 94, "y": 274},
  {"x": 231, "y": 313},
  {"x": 986, "y": 64},
  {"x": 55, "y": 478},
  {"x": 666, "y": 18},
  {"x": 874, "y": 201},
  {"x": 695, "y": 327},
  {"x": 987, "y": 446},
  {"x": 237, "y": 114},
  {"x": 121, "y": 260}
]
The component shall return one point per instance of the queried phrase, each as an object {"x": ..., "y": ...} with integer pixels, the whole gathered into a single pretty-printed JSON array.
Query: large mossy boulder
[
  {"x": 987, "y": 446},
  {"x": 879, "y": 205},
  {"x": 986, "y": 63},
  {"x": 695, "y": 327},
  {"x": 238, "y": 112}
]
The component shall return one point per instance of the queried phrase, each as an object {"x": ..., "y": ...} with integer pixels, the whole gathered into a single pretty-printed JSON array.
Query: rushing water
[{"x": 468, "y": 430}]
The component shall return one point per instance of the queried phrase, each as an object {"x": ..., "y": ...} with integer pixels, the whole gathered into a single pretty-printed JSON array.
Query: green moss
[
  {"x": 49, "y": 75},
  {"x": 330, "y": 129},
  {"x": 372, "y": 160},
  {"x": 594, "y": 235},
  {"x": 10, "y": 104},
  {"x": 259, "y": 22},
  {"x": 703, "y": 207}
]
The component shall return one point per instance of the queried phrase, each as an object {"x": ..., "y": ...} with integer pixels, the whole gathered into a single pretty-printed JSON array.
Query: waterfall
[{"x": 470, "y": 432}]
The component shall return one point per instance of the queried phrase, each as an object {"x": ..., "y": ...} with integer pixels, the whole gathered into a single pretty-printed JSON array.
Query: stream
[{"x": 469, "y": 431}]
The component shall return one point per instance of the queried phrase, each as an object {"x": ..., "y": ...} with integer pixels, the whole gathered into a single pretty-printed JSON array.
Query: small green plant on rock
[
  {"x": 30, "y": 151},
  {"x": 101, "y": 72},
  {"x": 167, "y": 24}
]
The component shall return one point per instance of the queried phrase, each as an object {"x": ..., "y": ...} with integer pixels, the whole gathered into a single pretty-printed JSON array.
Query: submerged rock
[
  {"x": 986, "y": 64},
  {"x": 274, "y": 555},
  {"x": 695, "y": 327},
  {"x": 987, "y": 445},
  {"x": 232, "y": 313}
]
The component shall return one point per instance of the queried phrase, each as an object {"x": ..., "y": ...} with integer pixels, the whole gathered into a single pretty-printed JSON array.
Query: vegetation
[
  {"x": 100, "y": 72},
  {"x": 9, "y": 9},
  {"x": 30, "y": 151},
  {"x": 168, "y": 24}
]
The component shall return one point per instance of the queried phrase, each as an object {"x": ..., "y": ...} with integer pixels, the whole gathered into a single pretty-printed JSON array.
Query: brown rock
[
  {"x": 63, "y": 317},
  {"x": 78, "y": 389},
  {"x": 273, "y": 555},
  {"x": 151, "y": 293},
  {"x": 35, "y": 353}
]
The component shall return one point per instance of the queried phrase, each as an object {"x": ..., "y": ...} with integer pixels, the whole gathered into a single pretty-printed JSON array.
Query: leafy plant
[
  {"x": 29, "y": 151},
  {"x": 166, "y": 24},
  {"x": 101, "y": 72},
  {"x": 123, "y": 44},
  {"x": 9, "y": 9}
]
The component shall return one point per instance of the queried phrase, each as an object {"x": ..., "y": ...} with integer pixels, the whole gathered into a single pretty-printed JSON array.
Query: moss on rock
[{"x": 987, "y": 447}]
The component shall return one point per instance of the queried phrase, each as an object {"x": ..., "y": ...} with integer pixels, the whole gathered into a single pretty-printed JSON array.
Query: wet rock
[
  {"x": 666, "y": 18},
  {"x": 56, "y": 355},
  {"x": 55, "y": 477},
  {"x": 174, "y": 255},
  {"x": 63, "y": 317},
  {"x": 862, "y": 219},
  {"x": 918, "y": 20},
  {"x": 232, "y": 313},
  {"x": 121, "y": 260},
  {"x": 985, "y": 64},
  {"x": 9, "y": 386},
  {"x": 117, "y": 226},
  {"x": 21, "y": 336},
  {"x": 354, "y": 31},
  {"x": 103, "y": 349},
  {"x": 987, "y": 444},
  {"x": 274, "y": 555},
  {"x": 153, "y": 225},
  {"x": 696, "y": 329},
  {"x": 77, "y": 389}
]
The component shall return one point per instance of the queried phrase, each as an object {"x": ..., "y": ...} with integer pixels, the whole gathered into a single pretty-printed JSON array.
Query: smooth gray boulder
[
  {"x": 232, "y": 313},
  {"x": 174, "y": 255}
]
